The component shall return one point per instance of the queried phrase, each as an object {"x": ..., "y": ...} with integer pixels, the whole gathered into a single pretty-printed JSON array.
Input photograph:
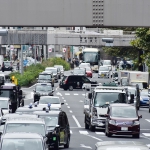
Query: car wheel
[
  {"x": 92, "y": 128},
  {"x": 136, "y": 135},
  {"x": 86, "y": 125},
  {"x": 70, "y": 88},
  {"x": 67, "y": 144},
  {"x": 56, "y": 146}
]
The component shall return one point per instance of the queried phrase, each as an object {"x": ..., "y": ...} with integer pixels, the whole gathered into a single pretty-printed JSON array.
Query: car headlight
[
  {"x": 136, "y": 122},
  {"x": 140, "y": 99},
  {"x": 113, "y": 122}
]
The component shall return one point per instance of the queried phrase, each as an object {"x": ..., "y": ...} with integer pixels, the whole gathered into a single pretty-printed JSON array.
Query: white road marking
[
  {"x": 101, "y": 133},
  {"x": 83, "y": 94},
  {"x": 83, "y": 132},
  {"x": 32, "y": 93},
  {"x": 145, "y": 129},
  {"x": 81, "y": 101},
  {"x": 146, "y": 134},
  {"x": 76, "y": 94},
  {"x": 58, "y": 94},
  {"x": 64, "y": 100},
  {"x": 62, "y": 97},
  {"x": 94, "y": 137},
  {"x": 70, "y": 111},
  {"x": 66, "y": 103},
  {"x": 67, "y": 93},
  {"x": 77, "y": 127},
  {"x": 82, "y": 145},
  {"x": 77, "y": 122},
  {"x": 68, "y": 106},
  {"x": 147, "y": 120}
]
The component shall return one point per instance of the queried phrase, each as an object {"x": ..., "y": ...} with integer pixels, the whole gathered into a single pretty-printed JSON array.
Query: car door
[
  {"x": 84, "y": 80},
  {"x": 73, "y": 81},
  {"x": 61, "y": 123}
]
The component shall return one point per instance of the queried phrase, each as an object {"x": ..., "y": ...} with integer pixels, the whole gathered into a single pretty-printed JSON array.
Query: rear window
[{"x": 64, "y": 78}]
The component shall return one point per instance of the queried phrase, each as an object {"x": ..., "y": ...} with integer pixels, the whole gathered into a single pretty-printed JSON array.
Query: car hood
[
  {"x": 145, "y": 98},
  {"x": 101, "y": 111},
  {"x": 121, "y": 120},
  {"x": 103, "y": 71}
]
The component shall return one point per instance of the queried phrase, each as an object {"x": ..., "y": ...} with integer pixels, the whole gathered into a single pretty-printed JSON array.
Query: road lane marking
[
  {"x": 81, "y": 101},
  {"x": 83, "y": 132},
  {"x": 76, "y": 94},
  {"x": 82, "y": 145},
  {"x": 70, "y": 111},
  {"x": 146, "y": 134},
  {"x": 94, "y": 137},
  {"x": 32, "y": 93},
  {"x": 83, "y": 94},
  {"x": 68, "y": 106},
  {"x": 147, "y": 120},
  {"x": 62, "y": 97},
  {"x": 67, "y": 93},
  {"x": 64, "y": 100},
  {"x": 66, "y": 103},
  {"x": 101, "y": 133},
  {"x": 77, "y": 122}
]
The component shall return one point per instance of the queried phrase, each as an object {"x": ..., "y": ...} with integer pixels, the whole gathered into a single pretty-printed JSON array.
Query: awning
[{"x": 79, "y": 52}]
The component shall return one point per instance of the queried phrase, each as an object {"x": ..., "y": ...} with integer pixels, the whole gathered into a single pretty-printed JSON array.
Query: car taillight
[{"x": 65, "y": 82}]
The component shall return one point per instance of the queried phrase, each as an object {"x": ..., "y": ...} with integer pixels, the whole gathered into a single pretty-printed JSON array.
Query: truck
[
  {"x": 92, "y": 56},
  {"x": 97, "y": 101}
]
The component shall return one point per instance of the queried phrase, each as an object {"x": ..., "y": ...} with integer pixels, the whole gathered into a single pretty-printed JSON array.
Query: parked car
[
  {"x": 7, "y": 66},
  {"x": 61, "y": 68}
]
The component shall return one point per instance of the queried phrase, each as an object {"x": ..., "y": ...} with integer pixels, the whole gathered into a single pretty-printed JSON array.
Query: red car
[
  {"x": 89, "y": 72},
  {"x": 122, "y": 119}
]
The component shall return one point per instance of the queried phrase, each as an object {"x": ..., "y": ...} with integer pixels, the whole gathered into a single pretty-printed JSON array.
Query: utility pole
[{"x": 21, "y": 61}]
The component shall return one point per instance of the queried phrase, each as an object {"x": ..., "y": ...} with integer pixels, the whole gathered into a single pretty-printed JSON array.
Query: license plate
[
  {"x": 124, "y": 128},
  {"x": 102, "y": 75}
]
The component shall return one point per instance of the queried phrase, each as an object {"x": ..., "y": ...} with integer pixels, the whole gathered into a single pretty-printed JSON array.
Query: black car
[
  {"x": 7, "y": 66},
  {"x": 42, "y": 89},
  {"x": 58, "y": 128},
  {"x": 45, "y": 78},
  {"x": 74, "y": 82}
]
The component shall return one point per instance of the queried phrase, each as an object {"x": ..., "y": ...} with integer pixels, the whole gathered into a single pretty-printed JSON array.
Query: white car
[
  {"x": 54, "y": 101},
  {"x": 61, "y": 68},
  {"x": 84, "y": 65},
  {"x": 4, "y": 105},
  {"x": 103, "y": 72}
]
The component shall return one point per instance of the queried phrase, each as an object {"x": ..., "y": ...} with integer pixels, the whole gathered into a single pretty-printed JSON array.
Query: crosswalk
[{"x": 84, "y": 132}]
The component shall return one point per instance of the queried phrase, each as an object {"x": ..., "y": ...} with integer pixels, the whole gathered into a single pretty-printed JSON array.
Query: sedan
[
  {"x": 89, "y": 72},
  {"x": 144, "y": 99},
  {"x": 122, "y": 119}
]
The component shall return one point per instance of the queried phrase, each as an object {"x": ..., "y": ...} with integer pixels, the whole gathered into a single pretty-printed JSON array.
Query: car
[
  {"x": 56, "y": 73},
  {"x": 120, "y": 145},
  {"x": 84, "y": 65},
  {"x": 53, "y": 100},
  {"x": 106, "y": 63},
  {"x": 22, "y": 141},
  {"x": 32, "y": 125},
  {"x": 15, "y": 115},
  {"x": 144, "y": 99},
  {"x": 103, "y": 72},
  {"x": 42, "y": 89},
  {"x": 79, "y": 71},
  {"x": 122, "y": 119},
  {"x": 61, "y": 68},
  {"x": 4, "y": 105},
  {"x": 57, "y": 125},
  {"x": 74, "y": 82},
  {"x": 89, "y": 72},
  {"x": 7, "y": 66},
  {"x": 29, "y": 109},
  {"x": 45, "y": 78}
]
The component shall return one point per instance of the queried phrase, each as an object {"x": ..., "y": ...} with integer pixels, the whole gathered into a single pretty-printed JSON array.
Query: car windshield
[
  {"x": 44, "y": 88},
  {"x": 107, "y": 98},
  {"x": 52, "y": 70},
  {"x": 51, "y": 121},
  {"x": 7, "y": 63},
  {"x": 44, "y": 77},
  {"x": 90, "y": 57},
  {"x": 22, "y": 144},
  {"x": 124, "y": 81},
  {"x": 103, "y": 69},
  {"x": 51, "y": 100},
  {"x": 26, "y": 127},
  {"x": 144, "y": 93},
  {"x": 79, "y": 71},
  {"x": 124, "y": 112},
  {"x": 4, "y": 104},
  {"x": 106, "y": 62},
  {"x": 8, "y": 93}
]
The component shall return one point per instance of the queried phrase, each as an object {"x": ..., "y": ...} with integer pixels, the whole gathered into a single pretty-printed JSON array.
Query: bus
[{"x": 92, "y": 56}]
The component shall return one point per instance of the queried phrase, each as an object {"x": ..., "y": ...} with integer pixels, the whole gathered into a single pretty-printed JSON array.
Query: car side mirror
[
  {"x": 140, "y": 116},
  {"x": 62, "y": 103},
  {"x": 89, "y": 95}
]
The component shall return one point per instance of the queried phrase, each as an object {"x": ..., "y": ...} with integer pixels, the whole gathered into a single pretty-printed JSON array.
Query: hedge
[{"x": 31, "y": 72}]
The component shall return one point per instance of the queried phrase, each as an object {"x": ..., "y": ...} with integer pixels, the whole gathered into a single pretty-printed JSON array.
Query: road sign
[
  {"x": 49, "y": 49},
  {"x": 64, "y": 50}
]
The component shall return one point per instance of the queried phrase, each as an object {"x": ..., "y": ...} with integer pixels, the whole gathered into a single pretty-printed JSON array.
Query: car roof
[
  {"x": 46, "y": 113},
  {"x": 112, "y": 145},
  {"x": 4, "y": 98},
  {"x": 25, "y": 120},
  {"x": 43, "y": 83},
  {"x": 22, "y": 135},
  {"x": 50, "y": 68},
  {"x": 9, "y": 84}
]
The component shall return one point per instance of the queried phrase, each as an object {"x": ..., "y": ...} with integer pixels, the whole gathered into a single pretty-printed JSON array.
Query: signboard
[
  {"x": 64, "y": 50},
  {"x": 12, "y": 47},
  {"x": 50, "y": 49}
]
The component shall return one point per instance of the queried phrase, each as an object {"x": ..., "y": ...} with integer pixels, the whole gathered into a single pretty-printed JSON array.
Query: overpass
[
  {"x": 47, "y": 37},
  {"x": 88, "y": 13}
]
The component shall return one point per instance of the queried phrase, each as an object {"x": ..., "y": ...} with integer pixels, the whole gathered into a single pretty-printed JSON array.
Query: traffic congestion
[{"x": 96, "y": 106}]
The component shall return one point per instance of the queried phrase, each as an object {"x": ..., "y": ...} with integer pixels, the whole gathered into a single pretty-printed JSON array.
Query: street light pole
[{"x": 21, "y": 62}]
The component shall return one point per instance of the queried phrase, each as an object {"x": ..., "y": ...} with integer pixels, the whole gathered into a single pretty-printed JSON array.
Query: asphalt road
[{"x": 82, "y": 138}]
